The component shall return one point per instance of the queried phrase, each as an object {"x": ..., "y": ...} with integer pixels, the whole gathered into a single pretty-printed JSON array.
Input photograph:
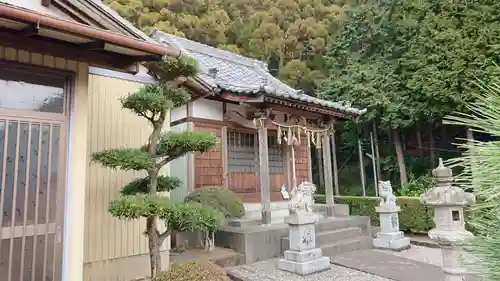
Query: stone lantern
[{"x": 450, "y": 234}]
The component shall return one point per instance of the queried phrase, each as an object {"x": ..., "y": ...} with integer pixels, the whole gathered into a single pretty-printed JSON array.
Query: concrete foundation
[
  {"x": 305, "y": 268},
  {"x": 391, "y": 241},
  {"x": 261, "y": 242}
]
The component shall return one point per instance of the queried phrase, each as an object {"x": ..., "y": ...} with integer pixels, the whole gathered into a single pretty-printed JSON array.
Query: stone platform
[{"x": 333, "y": 235}]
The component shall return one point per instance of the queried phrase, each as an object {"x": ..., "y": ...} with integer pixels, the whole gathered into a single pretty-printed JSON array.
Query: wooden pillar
[
  {"x": 320, "y": 166},
  {"x": 265, "y": 193},
  {"x": 327, "y": 164},
  {"x": 309, "y": 161},
  {"x": 288, "y": 170},
  {"x": 334, "y": 159},
  {"x": 224, "y": 155}
]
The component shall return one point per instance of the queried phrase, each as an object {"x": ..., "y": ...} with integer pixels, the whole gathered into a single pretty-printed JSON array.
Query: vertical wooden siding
[
  {"x": 208, "y": 165},
  {"x": 301, "y": 161},
  {"x": 108, "y": 238},
  {"x": 209, "y": 168}
]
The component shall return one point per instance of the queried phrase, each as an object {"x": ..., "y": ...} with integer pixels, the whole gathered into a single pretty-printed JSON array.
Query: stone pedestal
[
  {"x": 390, "y": 237},
  {"x": 303, "y": 258},
  {"x": 450, "y": 234}
]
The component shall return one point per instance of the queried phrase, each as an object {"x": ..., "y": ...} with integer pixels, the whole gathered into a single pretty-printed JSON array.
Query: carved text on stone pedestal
[
  {"x": 394, "y": 221},
  {"x": 307, "y": 236}
]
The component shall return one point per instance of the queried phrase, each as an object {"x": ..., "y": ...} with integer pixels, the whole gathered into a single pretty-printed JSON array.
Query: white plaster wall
[
  {"x": 178, "y": 113},
  {"x": 179, "y": 168},
  {"x": 208, "y": 109}
]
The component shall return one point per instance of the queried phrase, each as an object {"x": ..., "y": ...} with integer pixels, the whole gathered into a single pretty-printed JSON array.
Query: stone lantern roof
[
  {"x": 444, "y": 193},
  {"x": 442, "y": 172}
]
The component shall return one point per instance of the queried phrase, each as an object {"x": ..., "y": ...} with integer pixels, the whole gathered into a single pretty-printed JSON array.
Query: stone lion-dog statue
[
  {"x": 387, "y": 198},
  {"x": 302, "y": 197}
]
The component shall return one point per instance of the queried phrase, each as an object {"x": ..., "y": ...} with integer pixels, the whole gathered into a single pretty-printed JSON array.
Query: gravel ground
[{"x": 266, "y": 271}]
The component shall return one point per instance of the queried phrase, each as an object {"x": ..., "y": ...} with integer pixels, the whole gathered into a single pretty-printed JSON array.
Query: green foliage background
[
  {"x": 413, "y": 60},
  {"x": 414, "y": 217},
  {"x": 291, "y": 35}
]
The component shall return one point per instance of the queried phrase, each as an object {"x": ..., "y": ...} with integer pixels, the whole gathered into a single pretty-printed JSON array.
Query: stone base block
[
  {"x": 305, "y": 268},
  {"x": 304, "y": 256},
  {"x": 400, "y": 244}
]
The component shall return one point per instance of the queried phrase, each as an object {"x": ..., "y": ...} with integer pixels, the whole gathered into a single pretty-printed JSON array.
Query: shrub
[
  {"x": 221, "y": 199},
  {"x": 193, "y": 271},
  {"x": 414, "y": 216},
  {"x": 416, "y": 185},
  {"x": 209, "y": 220}
]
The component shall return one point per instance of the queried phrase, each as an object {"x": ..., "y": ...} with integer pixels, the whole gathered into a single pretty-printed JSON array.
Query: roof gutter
[{"x": 20, "y": 14}]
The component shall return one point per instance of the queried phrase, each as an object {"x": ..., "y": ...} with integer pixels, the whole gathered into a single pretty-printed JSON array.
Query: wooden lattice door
[{"x": 243, "y": 165}]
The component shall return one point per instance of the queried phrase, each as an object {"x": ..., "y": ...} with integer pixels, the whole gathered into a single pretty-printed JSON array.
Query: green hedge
[{"x": 414, "y": 216}]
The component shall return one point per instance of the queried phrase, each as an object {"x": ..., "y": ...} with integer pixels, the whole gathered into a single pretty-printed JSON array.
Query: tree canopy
[
  {"x": 291, "y": 35},
  {"x": 413, "y": 60}
]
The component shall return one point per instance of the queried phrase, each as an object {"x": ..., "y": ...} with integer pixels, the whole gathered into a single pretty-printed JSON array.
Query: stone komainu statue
[
  {"x": 302, "y": 197},
  {"x": 385, "y": 192}
]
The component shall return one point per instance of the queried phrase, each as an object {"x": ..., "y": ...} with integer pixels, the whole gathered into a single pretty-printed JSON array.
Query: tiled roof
[{"x": 235, "y": 73}]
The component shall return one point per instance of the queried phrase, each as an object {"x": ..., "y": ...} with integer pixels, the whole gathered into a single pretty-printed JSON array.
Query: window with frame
[
  {"x": 22, "y": 89},
  {"x": 275, "y": 151},
  {"x": 243, "y": 153}
]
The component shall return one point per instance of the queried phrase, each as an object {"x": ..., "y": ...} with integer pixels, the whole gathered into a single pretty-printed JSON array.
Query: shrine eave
[{"x": 287, "y": 104}]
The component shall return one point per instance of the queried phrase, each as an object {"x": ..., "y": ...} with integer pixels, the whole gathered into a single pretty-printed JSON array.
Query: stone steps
[
  {"x": 327, "y": 237},
  {"x": 260, "y": 242},
  {"x": 340, "y": 235},
  {"x": 347, "y": 245}
]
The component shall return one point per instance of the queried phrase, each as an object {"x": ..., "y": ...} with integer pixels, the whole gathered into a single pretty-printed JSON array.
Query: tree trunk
[
  {"x": 377, "y": 153},
  {"x": 400, "y": 158},
  {"x": 154, "y": 241},
  {"x": 432, "y": 147},
  {"x": 473, "y": 163},
  {"x": 419, "y": 141},
  {"x": 361, "y": 167},
  {"x": 154, "y": 247},
  {"x": 208, "y": 241}
]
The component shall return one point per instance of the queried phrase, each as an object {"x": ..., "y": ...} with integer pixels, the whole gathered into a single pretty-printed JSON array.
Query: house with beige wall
[{"x": 63, "y": 66}]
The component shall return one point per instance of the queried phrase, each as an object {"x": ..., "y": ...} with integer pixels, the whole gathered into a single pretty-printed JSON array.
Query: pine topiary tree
[
  {"x": 479, "y": 171},
  {"x": 140, "y": 198}
]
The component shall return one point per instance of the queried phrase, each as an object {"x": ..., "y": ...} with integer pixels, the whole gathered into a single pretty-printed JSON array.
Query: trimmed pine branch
[
  {"x": 148, "y": 102},
  {"x": 141, "y": 185},
  {"x": 137, "y": 206},
  {"x": 172, "y": 145},
  {"x": 125, "y": 159},
  {"x": 171, "y": 68}
]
